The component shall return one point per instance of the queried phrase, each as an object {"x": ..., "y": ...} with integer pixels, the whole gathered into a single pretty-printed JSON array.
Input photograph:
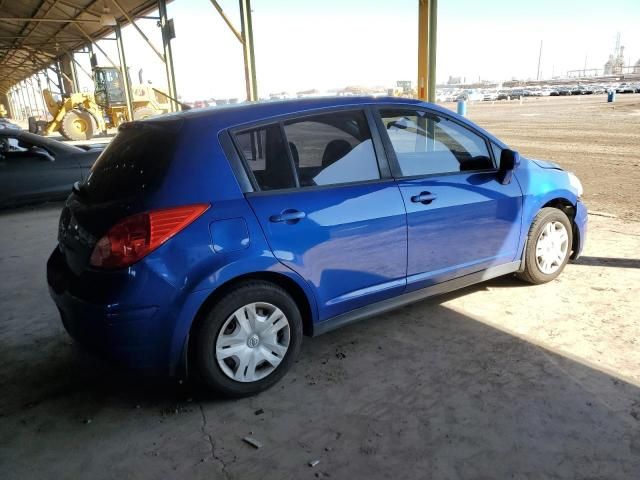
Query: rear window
[{"x": 134, "y": 163}]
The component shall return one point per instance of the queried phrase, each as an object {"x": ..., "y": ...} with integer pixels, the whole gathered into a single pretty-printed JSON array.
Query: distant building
[
  {"x": 608, "y": 67},
  {"x": 454, "y": 80},
  {"x": 636, "y": 68}
]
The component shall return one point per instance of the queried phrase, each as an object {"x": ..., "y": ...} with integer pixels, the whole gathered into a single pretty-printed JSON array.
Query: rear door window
[
  {"x": 265, "y": 153},
  {"x": 134, "y": 162},
  {"x": 332, "y": 148}
]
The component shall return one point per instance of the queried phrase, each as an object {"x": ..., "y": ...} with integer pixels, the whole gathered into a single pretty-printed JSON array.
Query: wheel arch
[
  {"x": 282, "y": 280},
  {"x": 298, "y": 294},
  {"x": 569, "y": 210}
]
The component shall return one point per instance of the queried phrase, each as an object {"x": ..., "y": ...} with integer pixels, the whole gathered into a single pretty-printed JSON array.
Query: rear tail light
[{"x": 138, "y": 235}]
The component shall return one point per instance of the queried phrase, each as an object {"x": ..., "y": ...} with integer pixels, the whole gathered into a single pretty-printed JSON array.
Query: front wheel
[
  {"x": 548, "y": 246},
  {"x": 249, "y": 340}
]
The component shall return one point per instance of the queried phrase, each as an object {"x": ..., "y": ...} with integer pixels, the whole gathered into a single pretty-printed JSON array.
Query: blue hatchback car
[{"x": 216, "y": 239}]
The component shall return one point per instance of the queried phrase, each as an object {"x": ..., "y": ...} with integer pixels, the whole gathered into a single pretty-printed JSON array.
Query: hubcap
[
  {"x": 552, "y": 247},
  {"x": 252, "y": 342}
]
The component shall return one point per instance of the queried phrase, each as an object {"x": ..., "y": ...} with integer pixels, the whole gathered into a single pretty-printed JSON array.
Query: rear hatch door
[{"x": 121, "y": 183}]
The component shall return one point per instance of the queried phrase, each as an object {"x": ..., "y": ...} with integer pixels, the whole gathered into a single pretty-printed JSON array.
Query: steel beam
[
  {"x": 227, "y": 21},
  {"x": 133, "y": 23},
  {"x": 248, "y": 51},
  {"x": 167, "y": 35},
  {"x": 433, "y": 40},
  {"x": 124, "y": 71},
  {"x": 97, "y": 46},
  {"x": 49, "y": 20},
  {"x": 427, "y": 36}
]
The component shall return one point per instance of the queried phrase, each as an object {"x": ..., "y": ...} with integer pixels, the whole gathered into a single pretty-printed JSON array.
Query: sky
[{"x": 327, "y": 44}]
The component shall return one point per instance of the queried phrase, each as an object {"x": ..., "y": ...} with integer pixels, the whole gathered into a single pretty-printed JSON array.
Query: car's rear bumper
[{"x": 107, "y": 316}]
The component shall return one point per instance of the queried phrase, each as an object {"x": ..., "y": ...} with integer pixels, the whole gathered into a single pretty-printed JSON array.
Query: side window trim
[
  {"x": 241, "y": 170},
  {"x": 378, "y": 144},
  {"x": 394, "y": 164},
  {"x": 247, "y": 179},
  {"x": 287, "y": 146}
]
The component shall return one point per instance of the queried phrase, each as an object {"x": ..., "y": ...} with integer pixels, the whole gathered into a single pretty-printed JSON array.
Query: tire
[
  {"x": 77, "y": 125},
  {"x": 545, "y": 240},
  {"x": 225, "y": 375},
  {"x": 143, "y": 112}
]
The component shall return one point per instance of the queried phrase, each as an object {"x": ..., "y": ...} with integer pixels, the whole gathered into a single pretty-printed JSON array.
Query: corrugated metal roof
[{"x": 34, "y": 33}]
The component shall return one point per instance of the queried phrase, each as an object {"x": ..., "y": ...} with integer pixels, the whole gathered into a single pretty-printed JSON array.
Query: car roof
[
  {"x": 252, "y": 111},
  {"x": 230, "y": 116}
]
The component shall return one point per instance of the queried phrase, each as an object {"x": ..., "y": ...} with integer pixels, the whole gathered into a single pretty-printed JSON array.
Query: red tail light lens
[{"x": 138, "y": 235}]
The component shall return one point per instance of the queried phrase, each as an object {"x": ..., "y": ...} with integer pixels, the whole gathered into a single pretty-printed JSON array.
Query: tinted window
[
  {"x": 265, "y": 152},
  {"x": 426, "y": 144},
  {"x": 134, "y": 162},
  {"x": 332, "y": 148}
]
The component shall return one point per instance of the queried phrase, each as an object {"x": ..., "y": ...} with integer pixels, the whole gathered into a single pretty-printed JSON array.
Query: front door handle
[
  {"x": 288, "y": 216},
  {"x": 425, "y": 198}
]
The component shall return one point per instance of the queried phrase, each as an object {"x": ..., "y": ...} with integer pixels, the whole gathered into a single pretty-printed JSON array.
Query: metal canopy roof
[{"x": 34, "y": 33}]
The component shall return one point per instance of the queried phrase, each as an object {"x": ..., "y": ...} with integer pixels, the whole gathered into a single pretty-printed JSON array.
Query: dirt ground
[
  {"x": 599, "y": 141},
  {"x": 500, "y": 380}
]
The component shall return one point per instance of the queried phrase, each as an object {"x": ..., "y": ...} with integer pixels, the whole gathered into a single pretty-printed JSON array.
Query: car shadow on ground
[
  {"x": 423, "y": 391},
  {"x": 426, "y": 391},
  {"x": 609, "y": 262}
]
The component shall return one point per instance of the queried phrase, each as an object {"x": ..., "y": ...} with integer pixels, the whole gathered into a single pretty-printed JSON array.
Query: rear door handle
[
  {"x": 288, "y": 216},
  {"x": 424, "y": 198}
]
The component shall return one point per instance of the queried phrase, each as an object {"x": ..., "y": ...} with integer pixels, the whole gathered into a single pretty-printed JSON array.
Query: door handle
[
  {"x": 288, "y": 216},
  {"x": 424, "y": 198}
]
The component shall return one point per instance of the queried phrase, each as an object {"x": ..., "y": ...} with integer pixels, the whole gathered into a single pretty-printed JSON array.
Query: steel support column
[
  {"x": 12, "y": 100},
  {"x": 27, "y": 108},
  {"x": 166, "y": 27},
  {"x": 427, "y": 36},
  {"x": 248, "y": 51},
  {"x": 124, "y": 71}
]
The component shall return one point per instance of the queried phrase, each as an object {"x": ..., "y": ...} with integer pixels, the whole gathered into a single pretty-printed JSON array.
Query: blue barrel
[
  {"x": 611, "y": 95},
  {"x": 462, "y": 108}
]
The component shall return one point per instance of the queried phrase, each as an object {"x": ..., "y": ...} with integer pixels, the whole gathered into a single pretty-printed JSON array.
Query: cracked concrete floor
[{"x": 500, "y": 380}]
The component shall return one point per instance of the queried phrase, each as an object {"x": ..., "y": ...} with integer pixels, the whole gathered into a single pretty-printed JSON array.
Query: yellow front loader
[
  {"x": 77, "y": 117},
  {"x": 81, "y": 115}
]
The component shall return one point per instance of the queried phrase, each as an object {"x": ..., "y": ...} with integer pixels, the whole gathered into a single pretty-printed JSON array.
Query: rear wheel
[
  {"x": 77, "y": 125},
  {"x": 248, "y": 340},
  {"x": 548, "y": 246}
]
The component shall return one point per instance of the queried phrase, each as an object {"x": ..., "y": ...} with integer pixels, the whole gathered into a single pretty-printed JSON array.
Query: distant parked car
[
  {"x": 490, "y": 96},
  {"x": 219, "y": 237},
  {"x": 625, "y": 88},
  {"x": 564, "y": 91},
  {"x": 36, "y": 169},
  {"x": 502, "y": 95}
]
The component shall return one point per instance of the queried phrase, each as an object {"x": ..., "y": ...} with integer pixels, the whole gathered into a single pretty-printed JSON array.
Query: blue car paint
[
  {"x": 473, "y": 224},
  {"x": 348, "y": 252},
  {"x": 141, "y": 316}
]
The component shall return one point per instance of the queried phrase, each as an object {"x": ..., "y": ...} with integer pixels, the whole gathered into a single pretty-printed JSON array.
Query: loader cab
[{"x": 109, "y": 87}]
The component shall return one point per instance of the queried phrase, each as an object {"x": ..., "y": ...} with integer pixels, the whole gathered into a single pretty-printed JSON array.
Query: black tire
[
  {"x": 141, "y": 113},
  {"x": 78, "y": 125},
  {"x": 532, "y": 272},
  {"x": 203, "y": 342}
]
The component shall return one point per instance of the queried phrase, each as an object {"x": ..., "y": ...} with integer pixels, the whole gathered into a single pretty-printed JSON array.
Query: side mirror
[{"x": 509, "y": 160}]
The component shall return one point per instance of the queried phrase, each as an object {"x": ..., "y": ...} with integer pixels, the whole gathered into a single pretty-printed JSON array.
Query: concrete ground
[{"x": 500, "y": 380}]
